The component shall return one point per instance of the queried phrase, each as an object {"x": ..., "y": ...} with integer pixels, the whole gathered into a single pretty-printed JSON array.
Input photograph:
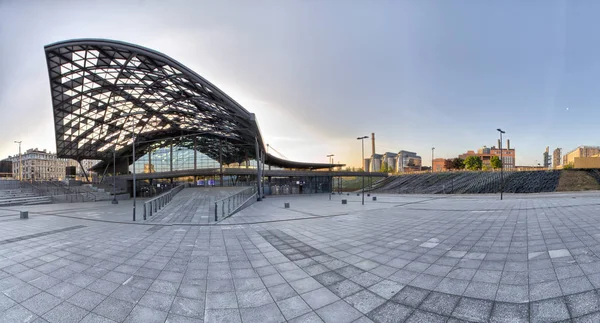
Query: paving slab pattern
[{"x": 400, "y": 259}]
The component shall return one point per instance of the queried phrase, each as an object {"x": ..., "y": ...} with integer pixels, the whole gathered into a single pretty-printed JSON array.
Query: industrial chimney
[
  {"x": 498, "y": 143},
  {"x": 507, "y": 143},
  {"x": 373, "y": 143}
]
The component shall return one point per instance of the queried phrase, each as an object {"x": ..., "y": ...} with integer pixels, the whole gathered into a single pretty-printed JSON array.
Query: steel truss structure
[{"x": 105, "y": 91}]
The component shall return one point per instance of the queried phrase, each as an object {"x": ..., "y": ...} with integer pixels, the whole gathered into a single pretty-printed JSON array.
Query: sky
[{"x": 319, "y": 74}]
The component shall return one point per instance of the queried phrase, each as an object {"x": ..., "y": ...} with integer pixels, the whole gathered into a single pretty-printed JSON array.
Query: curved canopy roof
[{"x": 103, "y": 91}]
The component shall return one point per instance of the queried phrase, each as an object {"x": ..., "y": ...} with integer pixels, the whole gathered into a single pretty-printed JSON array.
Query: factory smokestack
[
  {"x": 373, "y": 143},
  {"x": 498, "y": 143},
  {"x": 507, "y": 143}
]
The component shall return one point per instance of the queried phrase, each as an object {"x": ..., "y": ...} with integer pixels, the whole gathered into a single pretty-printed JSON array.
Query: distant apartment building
[
  {"x": 408, "y": 161},
  {"x": 486, "y": 154},
  {"x": 581, "y": 151},
  {"x": 40, "y": 165},
  {"x": 556, "y": 157}
]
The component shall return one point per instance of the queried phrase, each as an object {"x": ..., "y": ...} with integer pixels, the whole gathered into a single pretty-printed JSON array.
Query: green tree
[
  {"x": 385, "y": 168},
  {"x": 458, "y": 163},
  {"x": 568, "y": 166},
  {"x": 496, "y": 162},
  {"x": 473, "y": 163}
]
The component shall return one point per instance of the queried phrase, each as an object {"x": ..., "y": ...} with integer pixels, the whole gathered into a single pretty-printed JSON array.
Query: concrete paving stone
[
  {"x": 44, "y": 282},
  {"x": 159, "y": 301},
  {"x": 63, "y": 290},
  {"x": 65, "y": 313},
  {"x": 344, "y": 288},
  {"x": 481, "y": 290},
  {"x": 514, "y": 278},
  {"x": 542, "y": 275},
  {"x": 253, "y": 298},
  {"x": 272, "y": 280},
  {"x": 21, "y": 292},
  {"x": 128, "y": 294},
  {"x": 386, "y": 288},
  {"x": 95, "y": 318},
  {"x": 191, "y": 292},
  {"x": 329, "y": 278},
  {"x": 263, "y": 314},
  {"x": 462, "y": 273},
  {"x": 220, "y": 285},
  {"x": 139, "y": 282},
  {"x": 472, "y": 309},
  {"x": 512, "y": 293},
  {"x": 142, "y": 314},
  {"x": 390, "y": 312},
  {"x": 549, "y": 310},
  {"x": 221, "y": 300},
  {"x": 419, "y": 316},
  {"x": 365, "y": 301},
  {"x": 281, "y": 292},
  {"x": 411, "y": 296},
  {"x": 487, "y": 276},
  {"x": 349, "y": 271},
  {"x": 583, "y": 303},
  {"x": 403, "y": 276},
  {"x": 545, "y": 290},
  {"x": 590, "y": 318},
  {"x": 575, "y": 285},
  {"x": 319, "y": 298},
  {"x": 293, "y": 307},
  {"x": 568, "y": 271},
  {"x": 310, "y": 317},
  {"x": 426, "y": 281},
  {"x": 338, "y": 312},
  {"x": 38, "y": 304},
  {"x": 558, "y": 253},
  {"x": 510, "y": 313},
  {"x": 305, "y": 285},
  {"x": 315, "y": 269},
  {"x": 86, "y": 299},
  {"x": 383, "y": 271},
  {"x": 222, "y": 315},
  {"x": 452, "y": 286},
  {"x": 250, "y": 283},
  {"x": 17, "y": 313},
  {"x": 440, "y": 303}
]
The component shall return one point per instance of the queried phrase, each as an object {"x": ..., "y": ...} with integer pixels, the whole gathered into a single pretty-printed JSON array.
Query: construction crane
[{"x": 275, "y": 150}]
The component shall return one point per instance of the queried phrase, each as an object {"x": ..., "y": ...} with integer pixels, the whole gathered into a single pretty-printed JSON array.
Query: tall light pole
[
  {"x": 330, "y": 175},
  {"x": 114, "y": 201},
  {"x": 20, "y": 170},
  {"x": 501, "y": 165},
  {"x": 432, "y": 149},
  {"x": 133, "y": 152},
  {"x": 362, "y": 139}
]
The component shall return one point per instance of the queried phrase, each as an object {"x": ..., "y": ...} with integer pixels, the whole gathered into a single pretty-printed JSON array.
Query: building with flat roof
[
  {"x": 486, "y": 154},
  {"x": 556, "y": 157},
  {"x": 581, "y": 151}
]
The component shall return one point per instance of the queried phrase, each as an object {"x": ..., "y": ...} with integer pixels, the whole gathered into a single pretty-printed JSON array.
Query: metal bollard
[
  {"x": 24, "y": 215},
  {"x": 216, "y": 212},
  {"x": 144, "y": 211},
  {"x": 374, "y": 198},
  {"x": 344, "y": 201},
  {"x": 286, "y": 205}
]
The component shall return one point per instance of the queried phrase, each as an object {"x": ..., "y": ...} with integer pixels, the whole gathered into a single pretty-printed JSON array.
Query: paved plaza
[{"x": 414, "y": 258}]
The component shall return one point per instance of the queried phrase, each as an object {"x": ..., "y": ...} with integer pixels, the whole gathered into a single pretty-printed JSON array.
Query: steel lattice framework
[{"x": 103, "y": 91}]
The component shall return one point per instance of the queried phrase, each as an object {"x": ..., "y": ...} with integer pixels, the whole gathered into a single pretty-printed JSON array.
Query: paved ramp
[{"x": 193, "y": 205}]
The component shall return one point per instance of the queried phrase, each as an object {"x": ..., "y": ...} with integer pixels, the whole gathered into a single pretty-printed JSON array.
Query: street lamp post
[
  {"x": 501, "y": 165},
  {"x": 114, "y": 201},
  {"x": 133, "y": 152},
  {"x": 20, "y": 170},
  {"x": 432, "y": 149},
  {"x": 362, "y": 139},
  {"x": 330, "y": 175}
]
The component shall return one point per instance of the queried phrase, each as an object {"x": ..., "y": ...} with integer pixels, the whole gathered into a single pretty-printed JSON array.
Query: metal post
[
  {"x": 133, "y": 161},
  {"x": 432, "y": 149},
  {"x": 258, "y": 171},
  {"x": 362, "y": 139},
  {"x": 114, "y": 201},
  {"x": 330, "y": 175},
  {"x": 501, "y": 165}
]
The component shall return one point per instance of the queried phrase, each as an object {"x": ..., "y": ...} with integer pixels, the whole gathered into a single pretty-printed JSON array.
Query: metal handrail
[
  {"x": 234, "y": 203},
  {"x": 155, "y": 204}
]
